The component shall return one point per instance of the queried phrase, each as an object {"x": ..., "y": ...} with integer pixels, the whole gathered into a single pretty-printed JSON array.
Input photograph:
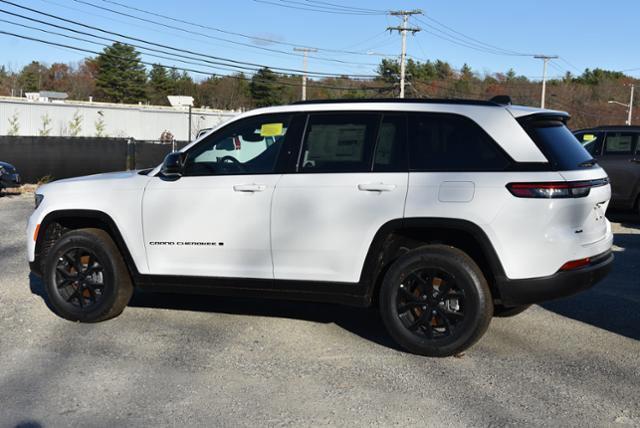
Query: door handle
[
  {"x": 249, "y": 187},
  {"x": 376, "y": 187}
]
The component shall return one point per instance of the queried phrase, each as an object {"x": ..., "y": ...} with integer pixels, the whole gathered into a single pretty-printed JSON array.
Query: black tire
[
  {"x": 441, "y": 290},
  {"x": 86, "y": 278},
  {"x": 500, "y": 311}
]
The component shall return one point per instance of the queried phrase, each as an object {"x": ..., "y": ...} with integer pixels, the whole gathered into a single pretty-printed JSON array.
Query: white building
[{"x": 40, "y": 116}]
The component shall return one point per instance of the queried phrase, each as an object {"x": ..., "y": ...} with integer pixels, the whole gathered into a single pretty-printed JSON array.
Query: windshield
[{"x": 559, "y": 145}]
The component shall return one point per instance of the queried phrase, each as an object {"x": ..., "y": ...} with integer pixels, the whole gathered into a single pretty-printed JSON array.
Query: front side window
[
  {"x": 620, "y": 143},
  {"x": 339, "y": 142},
  {"x": 444, "y": 142},
  {"x": 591, "y": 141},
  {"x": 250, "y": 146}
]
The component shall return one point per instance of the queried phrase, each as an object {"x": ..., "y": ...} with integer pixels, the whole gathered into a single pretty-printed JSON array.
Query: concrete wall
[{"x": 120, "y": 120}]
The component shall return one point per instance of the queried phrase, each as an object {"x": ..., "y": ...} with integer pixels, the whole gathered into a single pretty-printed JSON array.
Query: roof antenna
[{"x": 504, "y": 100}]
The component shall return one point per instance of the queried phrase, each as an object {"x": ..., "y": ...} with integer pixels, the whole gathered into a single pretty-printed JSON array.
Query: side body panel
[
  {"x": 117, "y": 195},
  {"x": 323, "y": 224},
  {"x": 209, "y": 226},
  {"x": 532, "y": 237}
]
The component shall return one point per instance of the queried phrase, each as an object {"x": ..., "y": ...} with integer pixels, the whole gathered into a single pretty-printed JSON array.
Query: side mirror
[{"x": 173, "y": 165}]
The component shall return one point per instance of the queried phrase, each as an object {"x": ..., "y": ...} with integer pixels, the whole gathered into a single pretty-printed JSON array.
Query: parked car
[
  {"x": 443, "y": 213},
  {"x": 9, "y": 176},
  {"x": 617, "y": 150},
  {"x": 202, "y": 132}
]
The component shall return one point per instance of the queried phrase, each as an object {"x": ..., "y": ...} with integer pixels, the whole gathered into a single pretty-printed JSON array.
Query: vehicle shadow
[
  {"x": 362, "y": 322},
  {"x": 613, "y": 304}
]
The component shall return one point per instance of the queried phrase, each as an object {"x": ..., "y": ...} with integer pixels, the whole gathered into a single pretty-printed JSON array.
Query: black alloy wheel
[
  {"x": 85, "y": 276},
  {"x": 430, "y": 304},
  {"x": 435, "y": 301},
  {"x": 80, "y": 278}
]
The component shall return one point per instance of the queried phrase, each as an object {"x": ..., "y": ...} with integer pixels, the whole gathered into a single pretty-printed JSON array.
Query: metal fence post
[{"x": 131, "y": 154}]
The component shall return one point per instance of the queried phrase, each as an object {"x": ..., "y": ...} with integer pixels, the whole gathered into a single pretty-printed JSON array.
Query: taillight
[
  {"x": 574, "y": 264},
  {"x": 555, "y": 189}
]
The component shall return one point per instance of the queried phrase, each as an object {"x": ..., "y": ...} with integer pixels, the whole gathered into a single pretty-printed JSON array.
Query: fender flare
[
  {"x": 377, "y": 261},
  {"x": 110, "y": 227}
]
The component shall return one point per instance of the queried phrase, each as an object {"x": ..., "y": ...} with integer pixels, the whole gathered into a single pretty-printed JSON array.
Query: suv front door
[
  {"x": 214, "y": 220},
  {"x": 351, "y": 178},
  {"x": 617, "y": 160}
]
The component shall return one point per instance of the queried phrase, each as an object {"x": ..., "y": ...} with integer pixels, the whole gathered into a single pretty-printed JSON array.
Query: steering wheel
[{"x": 231, "y": 160}]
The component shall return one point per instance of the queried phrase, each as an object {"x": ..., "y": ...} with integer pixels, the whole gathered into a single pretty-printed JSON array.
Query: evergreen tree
[
  {"x": 465, "y": 72},
  {"x": 30, "y": 77},
  {"x": 120, "y": 76},
  {"x": 160, "y": 85},
  {"x": 265, "y": 89}
]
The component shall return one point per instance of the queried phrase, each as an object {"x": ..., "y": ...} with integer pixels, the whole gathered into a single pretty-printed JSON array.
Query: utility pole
[
  {"x": 304, "y": 76},
  {"x": 628, "y": 106},
  {"x": 405, "y": 14},
  {"x": 545, "y": 59}
]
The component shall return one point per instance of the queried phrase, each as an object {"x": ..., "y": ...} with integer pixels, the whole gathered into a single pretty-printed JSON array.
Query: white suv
[{"x": 443, "y": 212}]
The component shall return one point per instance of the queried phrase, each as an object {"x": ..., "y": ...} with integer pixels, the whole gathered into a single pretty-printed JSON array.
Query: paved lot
[{"x": 174, "y": 360}]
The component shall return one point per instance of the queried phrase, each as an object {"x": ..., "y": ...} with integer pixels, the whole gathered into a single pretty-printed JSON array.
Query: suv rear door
[{"x": 350, "y": 179}]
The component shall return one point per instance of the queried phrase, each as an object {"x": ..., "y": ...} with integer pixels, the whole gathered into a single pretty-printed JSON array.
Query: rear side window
[
  {"x": 620, "y": 143},
  {"x": 591, "y": 141},
  {"x": 391, "y": 153},
  {"x": 443, "y": 142},
  {"x": 341, "y": 142},
  {"x": 561, "y": 148}
]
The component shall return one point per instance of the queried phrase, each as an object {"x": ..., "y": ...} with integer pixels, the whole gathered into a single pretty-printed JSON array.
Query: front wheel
[
  {"x": 85, "y": 277},
  {"x": 435, "y": 301},
  {"x": 509, "y": 311}
]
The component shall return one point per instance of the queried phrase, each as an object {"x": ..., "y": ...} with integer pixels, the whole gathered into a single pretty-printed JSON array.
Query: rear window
[{"x": 558, "y": 144}]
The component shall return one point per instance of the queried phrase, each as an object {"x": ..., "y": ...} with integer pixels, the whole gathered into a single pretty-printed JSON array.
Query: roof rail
[{"x": 402, "y": 100}]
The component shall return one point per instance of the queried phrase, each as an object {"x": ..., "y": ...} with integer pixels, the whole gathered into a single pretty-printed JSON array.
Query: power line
[
  {"x": 346, "y": 7},
  {"x": 470, "y": 43},
  {"x": 220, "y": 30},
  {"x": 165, "y": 25},
  {"x": 474, "y": 40},
  {"x": 206, "y": 73},
  {"x": 216, "y": 65},
  {"x": 199, "y": 54},
  {"x": 284, "y": 4}
]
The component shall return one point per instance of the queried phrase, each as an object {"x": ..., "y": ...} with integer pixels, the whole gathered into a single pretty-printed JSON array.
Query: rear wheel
[
  {"x": 435, "y": 301},
  {"x": 85, "y": 277}
]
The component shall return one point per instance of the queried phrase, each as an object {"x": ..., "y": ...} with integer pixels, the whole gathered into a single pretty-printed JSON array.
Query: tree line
[{"x": 118, "y": 75}]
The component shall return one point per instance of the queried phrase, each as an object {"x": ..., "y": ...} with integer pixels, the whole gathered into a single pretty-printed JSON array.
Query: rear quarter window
[{"x": 561, "y": 148}]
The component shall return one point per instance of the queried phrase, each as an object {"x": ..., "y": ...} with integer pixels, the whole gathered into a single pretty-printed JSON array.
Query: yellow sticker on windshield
[
  {"x": 271, "y": 129},
  {"x": 588, "y": 137}
]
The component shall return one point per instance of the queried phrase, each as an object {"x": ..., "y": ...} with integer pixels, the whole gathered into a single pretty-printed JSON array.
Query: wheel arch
[
  {"x": 56, "y": 223},
  {"x": 398, "y": 236}
]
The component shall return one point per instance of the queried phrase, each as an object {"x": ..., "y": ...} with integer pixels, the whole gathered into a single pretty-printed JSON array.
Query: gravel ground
[{"x": 190, "y": 360}]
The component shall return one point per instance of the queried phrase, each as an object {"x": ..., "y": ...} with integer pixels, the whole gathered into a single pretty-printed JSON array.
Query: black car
[
  {"x": 617, "y": 150},
  {"x": 9, "y": 176}
]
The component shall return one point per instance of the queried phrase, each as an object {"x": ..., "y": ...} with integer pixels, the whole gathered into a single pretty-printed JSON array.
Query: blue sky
[{"x": 587, "y": 33}]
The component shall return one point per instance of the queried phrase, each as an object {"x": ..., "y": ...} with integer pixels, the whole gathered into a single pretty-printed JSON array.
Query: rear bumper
[
  {"x": 561, "y": 284},
  {"x": 10, "y": 180}
]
